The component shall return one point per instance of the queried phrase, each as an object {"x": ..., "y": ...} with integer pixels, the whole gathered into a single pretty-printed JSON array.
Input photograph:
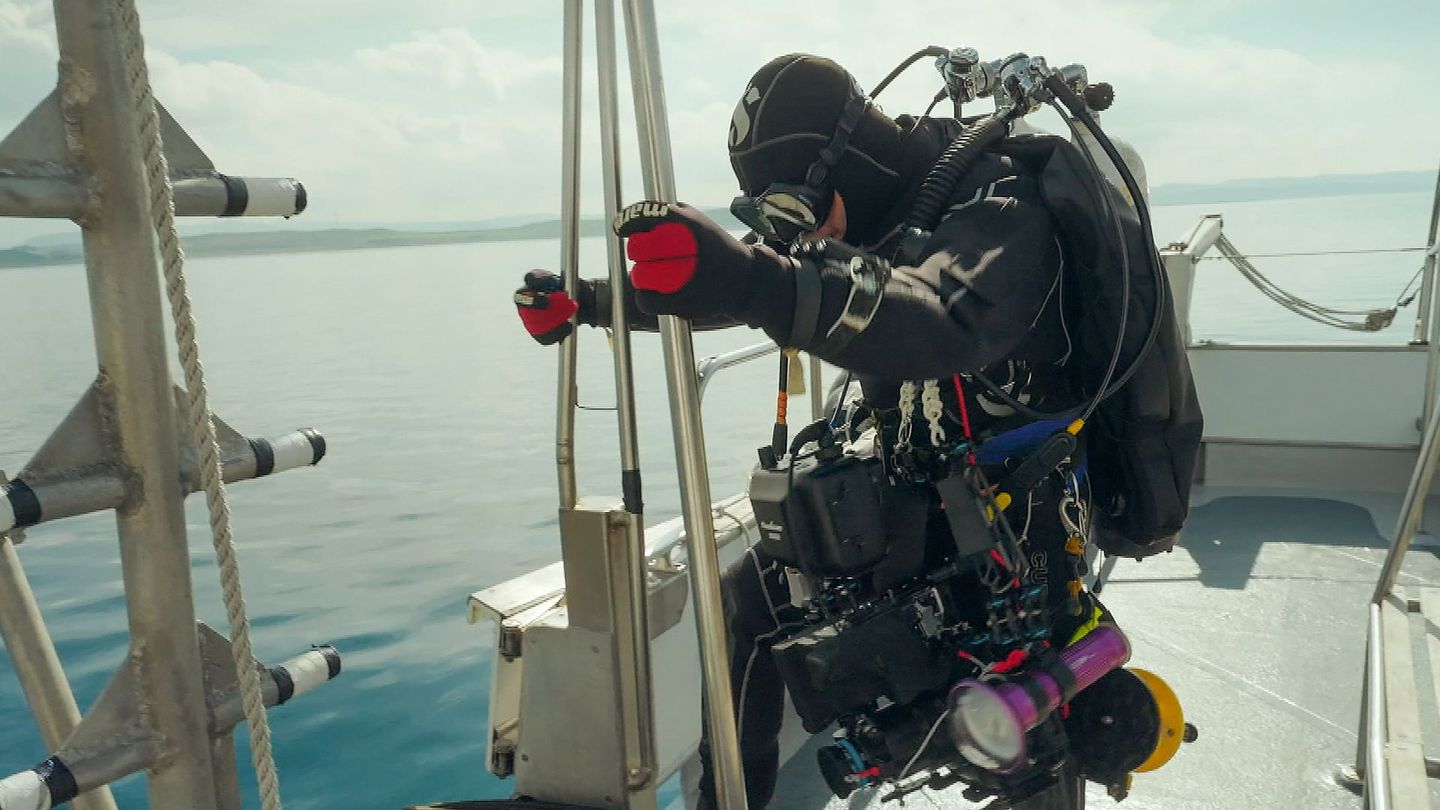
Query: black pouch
[
  {"x": 826, "y": 518},
  {"x": 963, "y": 511},
  {"x": 837, "y": 668}
]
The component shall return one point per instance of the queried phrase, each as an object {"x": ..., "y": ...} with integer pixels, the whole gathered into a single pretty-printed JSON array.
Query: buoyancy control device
[{"x": 1143, "y": 415}]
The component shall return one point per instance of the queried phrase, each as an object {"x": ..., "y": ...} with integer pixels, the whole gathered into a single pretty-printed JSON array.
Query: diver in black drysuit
[{"x": 989, "y": 294}]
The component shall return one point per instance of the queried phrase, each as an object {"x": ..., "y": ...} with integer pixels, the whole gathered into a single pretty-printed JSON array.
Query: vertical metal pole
[
  {"x": 1362, "y": 739},
  {"x": 569, "y": 248},
  {"x": 1373, "y": 734},
  {"x": 1427, "y": 292},
  {"x": 1428, "y": 320},
  {"x": 38, "y": 667},
  {"x": 659, "y": 173},
  {"x": 641, "y": 756},
  {"x": 121, "y": 263}
]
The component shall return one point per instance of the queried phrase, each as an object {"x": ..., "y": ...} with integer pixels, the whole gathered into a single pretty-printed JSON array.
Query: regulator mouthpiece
[{"x": 988, "y": 721}]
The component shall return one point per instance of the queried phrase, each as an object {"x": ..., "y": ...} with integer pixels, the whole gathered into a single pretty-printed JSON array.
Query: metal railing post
[
  {"x": 1427, "y": 321},
  {"x": 658, "y": 170},
  {"x": 567, "y": 396},
  {"x": 122, "y": 264},
  {"x": 635, "y": 669},
  {"x": 1373, "y": 729},
  {"x": 1427, "y": 291},
  {"x": 37, "y": 667}
]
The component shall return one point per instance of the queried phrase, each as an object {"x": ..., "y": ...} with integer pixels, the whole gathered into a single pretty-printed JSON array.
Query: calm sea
[{"x": 439, "y": 414}]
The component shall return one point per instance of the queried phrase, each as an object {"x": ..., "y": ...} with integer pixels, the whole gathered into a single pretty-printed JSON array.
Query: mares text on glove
[{"x": 685, "y": 263}]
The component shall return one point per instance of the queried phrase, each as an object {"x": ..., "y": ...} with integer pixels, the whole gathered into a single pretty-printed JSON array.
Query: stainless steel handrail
[
  {"x": 567, "y": 397},
  {"x": 1374, "y": 729},
  {"x": 1427, "y": 323},
  {"x": 1373, "y": 768},
  {"x": 642, "y": 758},
  {"x": 706, "y": 369},
  {"x": 659, "y": 173}
]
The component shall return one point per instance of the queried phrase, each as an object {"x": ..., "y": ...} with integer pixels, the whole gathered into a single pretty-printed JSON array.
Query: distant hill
[
  {"x": 23, "y": 257},
  {"x": 1282, "y": 188},
  {"x": 58, "y": 249},
  {"x": 212, "y": 238}
]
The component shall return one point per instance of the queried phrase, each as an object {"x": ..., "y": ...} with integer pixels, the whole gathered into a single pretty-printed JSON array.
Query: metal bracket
[
  {"x": 113, "y": 739},
  {"x": 39, "y": 176},
  {"x": 36, "y": 147},
  {"x": 76, "y": 470},
  {"x": 79, "y": 443}
]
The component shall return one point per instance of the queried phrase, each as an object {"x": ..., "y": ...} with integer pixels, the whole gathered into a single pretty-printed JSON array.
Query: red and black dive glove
[
  {"x": 685, "y": 263},
  {"x": 545, "y": 308}
]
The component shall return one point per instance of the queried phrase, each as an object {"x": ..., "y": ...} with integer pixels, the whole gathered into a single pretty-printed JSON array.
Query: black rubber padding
[
  {"x": 23, "y": 502},
  {"x": 1034, "y": 690},
  {"x": 317, "y": 444},
  {"x": 237, "y": 196},
  {"x": 808, "y": 292},
  {"x": 302, "y": 198},
  {"x": 630, "y": 492},
  {"x": 332, "y": 657},
  {"x": 264, "y": 456},
  {"x": 1064, "y": 678},
  {"x": 57, "y": 777},
  {"x": 284, "y": 684}
]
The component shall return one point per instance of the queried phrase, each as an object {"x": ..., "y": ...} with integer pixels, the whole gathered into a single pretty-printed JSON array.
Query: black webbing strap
[{"x": 807, "y": 304}]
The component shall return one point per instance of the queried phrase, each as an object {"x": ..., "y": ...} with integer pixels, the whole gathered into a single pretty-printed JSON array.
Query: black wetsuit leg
[{"x": 757, "y": 607}]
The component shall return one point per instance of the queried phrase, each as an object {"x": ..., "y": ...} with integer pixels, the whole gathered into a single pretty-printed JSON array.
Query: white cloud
[
  {"x": 362, "y": 159},
  {"x": 450, "y": 109},
  {"x": 26, "y": 23},
  {"x": 458, "y": 62}
]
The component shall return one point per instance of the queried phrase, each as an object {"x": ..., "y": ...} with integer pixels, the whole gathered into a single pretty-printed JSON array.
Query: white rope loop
[
  {"x": 934, "y": 409},
  {"x": 906, "y": 405},
  {"x": 202, "y": 430},
  {"x": 1355, "y": 320}
]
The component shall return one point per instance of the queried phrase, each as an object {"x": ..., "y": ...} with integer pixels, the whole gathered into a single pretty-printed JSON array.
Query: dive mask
[{"x": 785, "y": 211}]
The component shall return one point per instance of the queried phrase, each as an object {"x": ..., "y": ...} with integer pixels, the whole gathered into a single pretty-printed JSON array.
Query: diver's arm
[
  {"x": 989, "y": 269},
  {"x": 601, "y": 305}
]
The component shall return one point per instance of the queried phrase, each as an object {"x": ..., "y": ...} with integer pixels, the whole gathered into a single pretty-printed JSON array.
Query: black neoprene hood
[{"x": 789, "y": 111}]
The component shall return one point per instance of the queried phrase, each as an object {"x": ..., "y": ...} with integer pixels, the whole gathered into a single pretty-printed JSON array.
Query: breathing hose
[
  {"x": 954, "y": 162},
  {"x": 933, "y": 50}
]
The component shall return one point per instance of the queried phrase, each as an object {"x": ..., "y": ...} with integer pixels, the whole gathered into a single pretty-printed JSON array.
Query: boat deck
[{"x": 1258, "y": 621}]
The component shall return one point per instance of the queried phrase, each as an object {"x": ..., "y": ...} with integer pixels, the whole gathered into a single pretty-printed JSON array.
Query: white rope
[
  {"x": 933, "y": 409},
  {"x": 202, "y": 430},
  {"x": 906, "y": 405},
  {"x": 1355, "y": 320}
]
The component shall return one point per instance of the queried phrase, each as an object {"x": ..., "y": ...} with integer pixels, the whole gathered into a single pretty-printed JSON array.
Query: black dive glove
[
  {"x": 685, "y": 263},
  {"x": 545, "y": 308}
]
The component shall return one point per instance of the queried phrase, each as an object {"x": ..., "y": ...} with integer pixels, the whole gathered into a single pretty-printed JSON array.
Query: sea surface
[{"x": 439, "y": 416}]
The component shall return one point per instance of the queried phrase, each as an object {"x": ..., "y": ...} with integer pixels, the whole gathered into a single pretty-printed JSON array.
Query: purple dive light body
[{"x": 988, "y": 721}]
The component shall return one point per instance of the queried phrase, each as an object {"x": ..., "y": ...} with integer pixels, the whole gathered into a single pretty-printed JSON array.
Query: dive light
[{"x": 988, "y": 721}]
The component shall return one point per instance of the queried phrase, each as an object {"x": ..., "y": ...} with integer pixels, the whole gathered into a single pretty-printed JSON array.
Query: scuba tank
[{"x": 1144, "y": 438}]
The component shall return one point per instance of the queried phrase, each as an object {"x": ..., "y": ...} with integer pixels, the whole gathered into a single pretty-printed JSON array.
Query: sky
[{"x": 407, "y": 111}]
